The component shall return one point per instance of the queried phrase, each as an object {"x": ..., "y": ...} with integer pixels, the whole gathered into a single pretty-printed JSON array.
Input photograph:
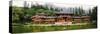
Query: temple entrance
[{"x": 63, "y": 20}]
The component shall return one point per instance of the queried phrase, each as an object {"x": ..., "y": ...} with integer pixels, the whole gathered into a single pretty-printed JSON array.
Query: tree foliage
[
  {"x": 94, "y": 13},
  {"x": 78, "y": 11},
  {"x": 23, "y": 14}
]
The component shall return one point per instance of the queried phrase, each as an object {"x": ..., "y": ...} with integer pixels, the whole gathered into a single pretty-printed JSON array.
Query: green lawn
[{"x": 31, "y": 28}]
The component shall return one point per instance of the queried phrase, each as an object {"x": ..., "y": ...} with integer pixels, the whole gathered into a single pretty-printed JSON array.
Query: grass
[{"x": 31, "y": 28}]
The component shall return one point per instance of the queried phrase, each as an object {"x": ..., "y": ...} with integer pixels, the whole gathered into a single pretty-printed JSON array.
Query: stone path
[{"x": 56, "y": 24}]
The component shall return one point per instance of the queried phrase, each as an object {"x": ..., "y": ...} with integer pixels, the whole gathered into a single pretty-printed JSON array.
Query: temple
[{"x": 59, "y": 18}]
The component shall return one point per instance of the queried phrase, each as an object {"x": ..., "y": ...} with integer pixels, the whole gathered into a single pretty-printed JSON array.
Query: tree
[
  {"x": 78, "y": 11},
  {"x": 94, "y": 13},
  {"x": 23, "y": 14}
]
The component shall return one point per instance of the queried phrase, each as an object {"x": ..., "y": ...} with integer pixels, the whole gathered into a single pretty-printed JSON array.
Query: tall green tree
[
  {"x": 94, "y": 13},
  {"x": 78, "y": 11}
]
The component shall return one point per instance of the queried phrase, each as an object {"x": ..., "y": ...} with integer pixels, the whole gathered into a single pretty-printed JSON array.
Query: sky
[{"x": 86, "y": 4}]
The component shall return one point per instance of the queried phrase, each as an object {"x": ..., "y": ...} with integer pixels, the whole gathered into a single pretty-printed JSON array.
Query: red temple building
[{"x": 59, "y": 18}]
